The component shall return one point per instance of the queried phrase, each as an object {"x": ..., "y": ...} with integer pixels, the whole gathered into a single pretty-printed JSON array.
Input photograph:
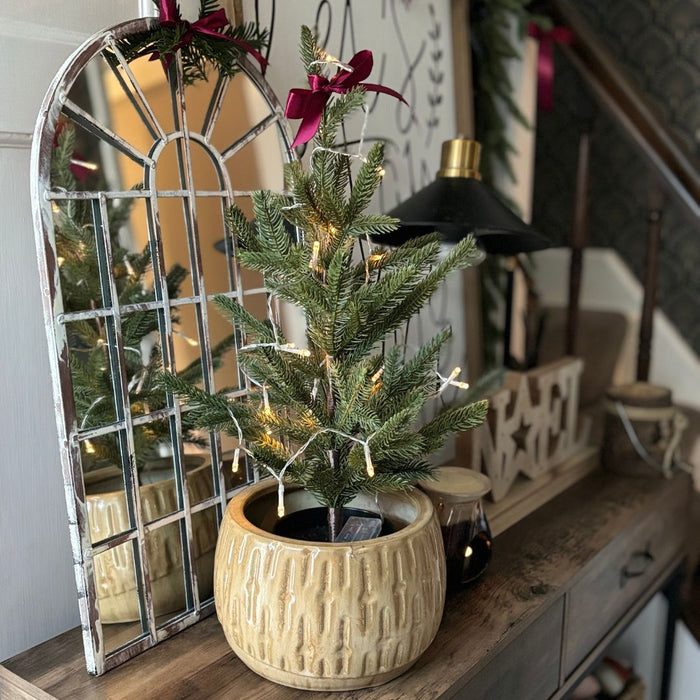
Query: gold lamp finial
[{"x": 460, "y": 158}]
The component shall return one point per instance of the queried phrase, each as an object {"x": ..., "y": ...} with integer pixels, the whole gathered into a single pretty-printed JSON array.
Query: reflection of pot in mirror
[{"x": 115, "y": 574}]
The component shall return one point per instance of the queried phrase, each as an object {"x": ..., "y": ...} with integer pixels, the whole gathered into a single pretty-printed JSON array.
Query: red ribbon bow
[
  {"x": 209, "y": 24},
  {"x": 308, "y": 105},
  {"x": 545, "y": 61}
]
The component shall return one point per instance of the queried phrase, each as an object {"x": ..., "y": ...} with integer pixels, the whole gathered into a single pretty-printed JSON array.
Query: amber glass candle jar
[{"x": 456, "y": 495}]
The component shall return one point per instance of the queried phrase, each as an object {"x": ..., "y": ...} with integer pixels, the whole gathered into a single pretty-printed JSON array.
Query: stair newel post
[
  {"x": 579, "y": 237},
  {"x": 651, "y": 270}
]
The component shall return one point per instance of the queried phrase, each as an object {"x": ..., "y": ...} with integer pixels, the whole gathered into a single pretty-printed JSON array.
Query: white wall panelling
[
  {"x": 36, "y": 62},
  {"x": 67, "y": 19},
  {"x": 36, "y": 572},
  {"x": 39, "y": 597}
]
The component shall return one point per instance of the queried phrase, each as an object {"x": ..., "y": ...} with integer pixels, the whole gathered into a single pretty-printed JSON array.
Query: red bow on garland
[
  {"x": 308, "y": 105},
  {"x": 209, "y": 24},
  {"x": 545, "y": 61}
]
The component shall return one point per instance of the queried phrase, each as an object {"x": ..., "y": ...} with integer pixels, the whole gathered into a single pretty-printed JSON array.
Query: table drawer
[
  {"x": 618, "y": 576},
  {"x": 528, "y": 668}
]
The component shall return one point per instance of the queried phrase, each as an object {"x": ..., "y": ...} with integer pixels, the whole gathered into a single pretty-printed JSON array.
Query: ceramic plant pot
[
  {"x": 115, "y": 575},
  {"x": 329, "y": 616}
]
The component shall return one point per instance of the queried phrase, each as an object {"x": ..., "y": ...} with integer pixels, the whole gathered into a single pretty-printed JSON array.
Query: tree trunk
[
  {"x": 335, "y": 522},
  {"x": 335, "y": 515}
]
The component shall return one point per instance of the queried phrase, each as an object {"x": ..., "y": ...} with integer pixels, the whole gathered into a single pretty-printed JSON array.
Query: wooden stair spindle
[
  {"x": 629, "y": 107},
  {"x": 651, "y": 269},
  {"x": 579, "y": 237}
]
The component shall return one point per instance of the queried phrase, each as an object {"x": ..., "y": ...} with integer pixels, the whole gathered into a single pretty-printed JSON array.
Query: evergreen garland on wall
[{"x": 492, "y": 49}]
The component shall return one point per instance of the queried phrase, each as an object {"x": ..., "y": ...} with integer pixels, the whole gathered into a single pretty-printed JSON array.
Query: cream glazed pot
[{"x": 329, "y": 616}]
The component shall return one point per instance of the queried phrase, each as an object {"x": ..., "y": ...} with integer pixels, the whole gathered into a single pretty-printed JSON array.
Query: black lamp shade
[{"x": 457, "y": 206}]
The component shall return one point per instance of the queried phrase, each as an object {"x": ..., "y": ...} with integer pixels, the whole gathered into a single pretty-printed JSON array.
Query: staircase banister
[{"x": 629, "y": 107}]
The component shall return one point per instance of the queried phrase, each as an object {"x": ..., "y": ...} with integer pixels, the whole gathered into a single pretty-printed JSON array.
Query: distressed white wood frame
[{"x": 56, "y": 104}]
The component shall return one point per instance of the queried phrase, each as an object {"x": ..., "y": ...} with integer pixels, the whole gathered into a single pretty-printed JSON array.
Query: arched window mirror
[{"x": 133, "y": 170}]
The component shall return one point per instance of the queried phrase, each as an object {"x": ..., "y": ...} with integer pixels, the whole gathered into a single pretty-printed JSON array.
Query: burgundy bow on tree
[
  {"x": 545, "y": 61},
  {"x": 308, "y": 105},
  {"x": 209, "y": 24}
]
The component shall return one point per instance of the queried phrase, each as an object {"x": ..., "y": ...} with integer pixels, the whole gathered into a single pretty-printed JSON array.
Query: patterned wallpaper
[{"x": 658, "y": 44}]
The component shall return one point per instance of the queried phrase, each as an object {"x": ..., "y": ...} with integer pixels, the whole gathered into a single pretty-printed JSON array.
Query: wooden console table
[{"x": 562, "y": 585}]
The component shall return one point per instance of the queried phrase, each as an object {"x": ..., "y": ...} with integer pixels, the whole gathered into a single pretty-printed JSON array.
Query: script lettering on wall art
[{"x": 532, "y": 427}]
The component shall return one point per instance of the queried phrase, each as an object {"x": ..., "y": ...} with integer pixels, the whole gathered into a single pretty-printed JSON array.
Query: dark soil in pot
[{"x": 311, "y": 524}]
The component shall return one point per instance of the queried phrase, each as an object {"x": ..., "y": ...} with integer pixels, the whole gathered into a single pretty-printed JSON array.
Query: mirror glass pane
[
  {"x": 136, "y": 255},
  {"x": 77, "y": 255},
  {"x": 118, "y": 596},
  {"x": 221, "y": 334},
  {"x": 235, "y": 105},
  {"x": 200, "y": 477},
  {"x": 210, "y": 215},
  {"x": 247, "y": 166},
  {"x": 205, "y": 530},
  {"x": 139, "y": 111},
  {"x": 172, "y": 214},
  {"x": 156, "y": 470},
  {"x": 164, "y": 552},
  {"x": 101, "y": 107},
  {"x": 188, "y": 359},
  {"x": 107, "y": 505},
  {"x": 91, "y": 374}
]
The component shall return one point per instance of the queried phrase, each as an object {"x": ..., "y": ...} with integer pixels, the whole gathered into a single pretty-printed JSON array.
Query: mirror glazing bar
[
  {"x": 152, "y": 120},
  {"x": 90, "y": 124}
]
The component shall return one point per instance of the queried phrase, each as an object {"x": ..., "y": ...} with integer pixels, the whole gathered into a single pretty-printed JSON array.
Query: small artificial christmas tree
[
  {"x": 340, "y": 417},
  {"x": 81, "y": 290}
]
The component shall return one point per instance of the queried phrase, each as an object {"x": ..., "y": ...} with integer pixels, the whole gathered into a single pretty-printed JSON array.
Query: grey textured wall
[{"x": 658, "y": 44}]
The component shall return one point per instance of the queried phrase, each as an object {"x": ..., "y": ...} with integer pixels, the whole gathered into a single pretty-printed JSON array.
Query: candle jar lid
[{"x": 457, "y": 484}]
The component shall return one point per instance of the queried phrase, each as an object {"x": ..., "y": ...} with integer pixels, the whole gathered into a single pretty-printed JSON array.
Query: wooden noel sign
[{"x": 532, "y": 427}]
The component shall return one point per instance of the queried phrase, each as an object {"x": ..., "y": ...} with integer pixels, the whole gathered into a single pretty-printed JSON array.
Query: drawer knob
[{"x": 637, "y": 564}]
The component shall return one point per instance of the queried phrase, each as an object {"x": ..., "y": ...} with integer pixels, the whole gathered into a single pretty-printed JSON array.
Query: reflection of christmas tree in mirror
[{"x": 85, "y": 288}]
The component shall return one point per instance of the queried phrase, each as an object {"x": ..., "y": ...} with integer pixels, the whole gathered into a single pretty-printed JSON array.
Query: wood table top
[{"x": 534, "y": 563}]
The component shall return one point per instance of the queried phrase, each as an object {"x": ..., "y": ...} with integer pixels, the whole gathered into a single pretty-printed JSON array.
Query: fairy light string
[
  {"x": 451, "y": 380},
  {"x": 240, "y": 446},
  {"x": 279, "y": 477},
  {"x": 445, "y": 382},
  {"x": 325, "y": 59},
  {"x": 281, "y": 347},
  {"x": 313, "y": 262},
  {"x": 369, "y": 466}
]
